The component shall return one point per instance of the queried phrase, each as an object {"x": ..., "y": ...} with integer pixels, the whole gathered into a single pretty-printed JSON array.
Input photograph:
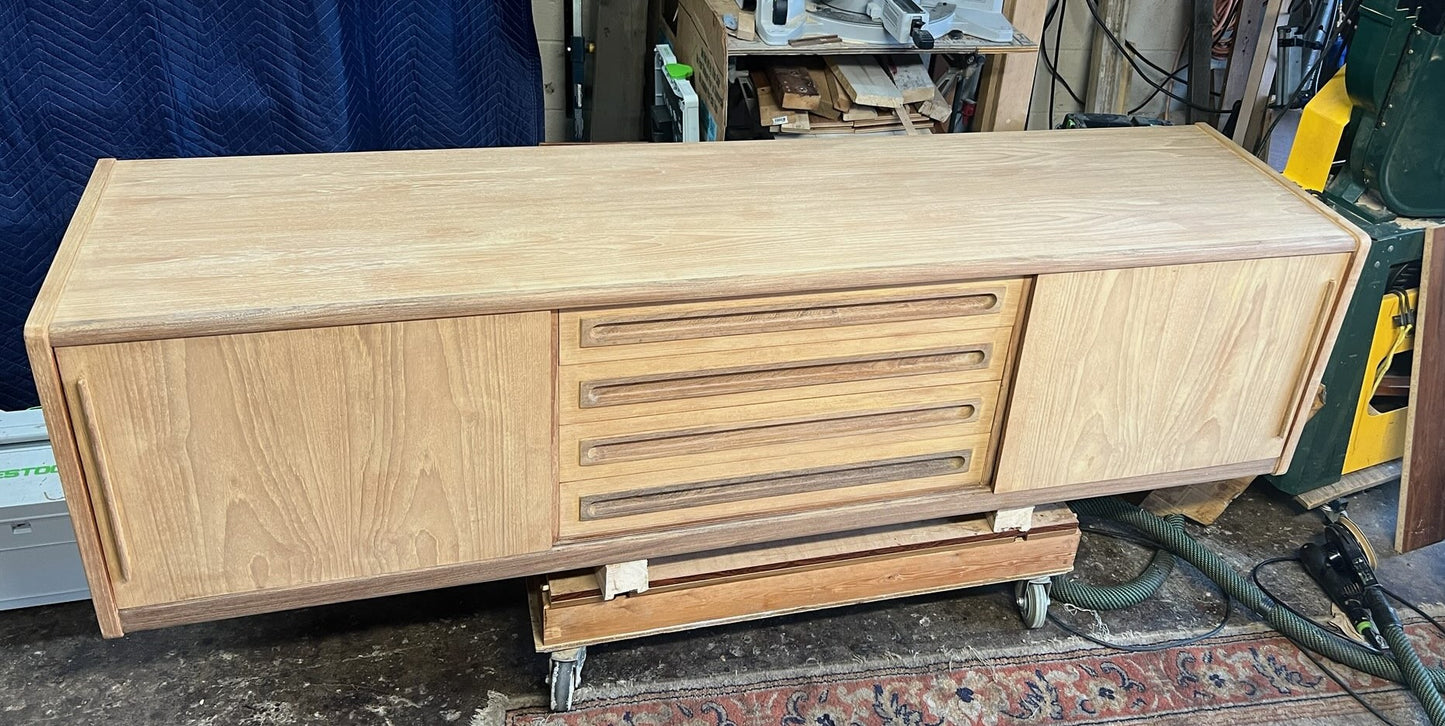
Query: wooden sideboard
[{"x": 280, "y": 381}]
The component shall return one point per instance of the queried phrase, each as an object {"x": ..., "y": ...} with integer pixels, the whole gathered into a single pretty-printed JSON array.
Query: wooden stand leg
[
  {"x": 622, "y": 578},
  {"x": 1006, "y": 519}
]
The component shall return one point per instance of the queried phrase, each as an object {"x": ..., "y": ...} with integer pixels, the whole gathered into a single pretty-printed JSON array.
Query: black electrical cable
[
  {"x": 1289, "y": 102},
  {"x": 1058, "y": 46},
  {"x": 1336, "y": 23},
  {"x": 1054, "y": 77},
  {"x": 1129, "y": 45},
  {"x": 1254, "y": 575},
  {"x": 1146, "y": 647},
  {"x": 1128, "y": 58},
  {"x": 1359, "y": 697},
  {"x": 1155, "y": 93},
  {"x": 1416, "y": 608}
]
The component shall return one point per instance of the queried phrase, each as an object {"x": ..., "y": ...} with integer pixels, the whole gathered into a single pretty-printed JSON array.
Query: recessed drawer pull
[
  {"x": 624, "y": 330},
  {"x": 681, "y": 442},
  {"x": 694, "y": 384},
  {"x": 720, "y": 491},
  {"x": 108, "y": 504}
]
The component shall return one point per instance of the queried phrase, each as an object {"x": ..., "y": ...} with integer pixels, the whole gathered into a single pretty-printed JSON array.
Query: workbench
[{"x": 274, "y": 382}]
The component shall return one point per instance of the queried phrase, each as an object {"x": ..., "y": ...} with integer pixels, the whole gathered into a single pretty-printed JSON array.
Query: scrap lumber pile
[{"x": 847, "y": 95}]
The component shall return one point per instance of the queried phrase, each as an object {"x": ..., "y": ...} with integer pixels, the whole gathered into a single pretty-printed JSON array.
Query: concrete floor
[{"x": 463, "y": 655}]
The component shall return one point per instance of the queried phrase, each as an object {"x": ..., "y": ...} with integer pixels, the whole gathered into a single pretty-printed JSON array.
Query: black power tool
[{"x": 1343, "y": 566}]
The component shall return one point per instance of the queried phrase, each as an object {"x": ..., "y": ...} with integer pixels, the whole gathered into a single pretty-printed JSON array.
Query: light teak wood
[
  {"x": 277, "y": 242},
  {"x": 802, "y": 576},
  {"x": 1005, "y": 519},
  {"x": 230, "y": 464},
  {"x": 911, "y": 77},
  {"x": 654, "y": 331},
  {"x": 621, "y": 578},
  {"x": 705, "y": 536},
  {"x": 615, "y": 390},
  {"x": 51, "y": 391},
  {"x": 1128, "y": 373},
  {"x": 1202, "y": 503},
  {"x": 865, "y": 81}
]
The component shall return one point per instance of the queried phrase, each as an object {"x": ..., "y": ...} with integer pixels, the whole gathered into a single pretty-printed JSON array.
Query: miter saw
[{"x": 885, "y": 23}]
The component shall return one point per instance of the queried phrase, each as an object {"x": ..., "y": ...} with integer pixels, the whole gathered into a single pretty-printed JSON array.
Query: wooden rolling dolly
[{"x": 572, "y": 610}]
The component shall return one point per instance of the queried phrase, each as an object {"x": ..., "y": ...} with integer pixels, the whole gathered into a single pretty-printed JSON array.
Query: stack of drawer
[{"x": 681, "y": 414}]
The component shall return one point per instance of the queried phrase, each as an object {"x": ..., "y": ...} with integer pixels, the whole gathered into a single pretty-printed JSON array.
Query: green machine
[{"x": 1392, "y": 92}]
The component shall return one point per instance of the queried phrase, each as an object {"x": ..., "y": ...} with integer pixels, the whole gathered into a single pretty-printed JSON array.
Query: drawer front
[
  {"x": 898, "y": 359},
  {"x": 689, "y": 439},
  {"x": 874, "y": 466},
  {"x": 593, "y": 336},
  {"x": 673, "y": 415}
]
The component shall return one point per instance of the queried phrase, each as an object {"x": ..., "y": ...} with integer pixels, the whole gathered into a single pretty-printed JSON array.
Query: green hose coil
[
  {"x": 1124, "y": 594},
  {"x": 1170, "y": 536}
]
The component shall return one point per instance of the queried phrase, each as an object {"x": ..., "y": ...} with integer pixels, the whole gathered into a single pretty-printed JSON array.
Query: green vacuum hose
[
  {"x": 1124, "y": 594},
  {"x": 1170, "y": 536}
]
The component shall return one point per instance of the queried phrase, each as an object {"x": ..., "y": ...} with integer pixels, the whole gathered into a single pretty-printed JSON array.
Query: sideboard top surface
[{"x": 180, "y": 247}]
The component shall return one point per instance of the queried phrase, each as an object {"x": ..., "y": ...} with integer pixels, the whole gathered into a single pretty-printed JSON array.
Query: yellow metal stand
[{"x": 1377, "y": 436}]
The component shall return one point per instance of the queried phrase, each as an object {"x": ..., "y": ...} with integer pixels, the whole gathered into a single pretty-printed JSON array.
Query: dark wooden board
[
  {"x": 622, "y": 63},
  {"x": 1422, "y": 483}
]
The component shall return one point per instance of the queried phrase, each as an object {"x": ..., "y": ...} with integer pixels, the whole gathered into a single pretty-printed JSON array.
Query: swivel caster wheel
[
  {"x": 565, "y": 676},
  {"x": 1032, "y": 597}
]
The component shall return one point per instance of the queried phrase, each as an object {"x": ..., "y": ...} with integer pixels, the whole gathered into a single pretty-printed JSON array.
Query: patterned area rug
[{"x": 1248, "y": 678}]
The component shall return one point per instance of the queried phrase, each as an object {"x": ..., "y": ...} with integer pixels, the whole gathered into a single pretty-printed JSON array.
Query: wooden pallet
[{"x": 570, "y": 610}]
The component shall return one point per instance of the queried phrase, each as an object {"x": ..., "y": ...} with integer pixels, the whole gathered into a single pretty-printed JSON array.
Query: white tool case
[{"x": 39, "y": 561}]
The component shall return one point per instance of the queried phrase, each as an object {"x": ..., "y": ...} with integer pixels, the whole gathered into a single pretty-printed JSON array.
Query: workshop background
[{"x": 141, "y": 79}]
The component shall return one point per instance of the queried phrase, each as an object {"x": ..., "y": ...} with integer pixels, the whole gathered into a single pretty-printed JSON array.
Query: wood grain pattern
[
  {"x": 1422, "y": 480},
  {"x": 732, "y": 433},
  {"x": 613, "y": 390},
  {"x": 772, "y": 484},
  {"x": 875, "y": 466},
  {"x": 653, "y": 544},
  {"x": 108, "y": 504},
  {"x": 1007, "y": 84},
  {"x": 865, "y": 81},
  {"x": 1353, "y": 483},
  {"x": 725, "y": 381},
  {"x": 57, "y": 413},
  {"x": 664, "y": 331},
  {"x": 1202, "y": 503},
  {"x": 1134, "y": 372},
  {"x": 773, "y": 555},
  {"x": 978, "y": 304},
  {"x": 793, "y": 87},
  {"x": 593, "y": 452},
  {"x": 847, "y": 581},
  {"x": 841, "y": 435},
  {"x": 274, "y": 460},
  {"x": 910, "y": 76},
  {"x": 265, "y": 243},
  {"x": 1344, "y": 293},
  {"x": 755, "y": 559}
]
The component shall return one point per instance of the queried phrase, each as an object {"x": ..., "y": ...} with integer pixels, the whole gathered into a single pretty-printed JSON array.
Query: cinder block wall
[
  {"x": 550, "y": 18},
  {"x": 1156, "y": 27}
]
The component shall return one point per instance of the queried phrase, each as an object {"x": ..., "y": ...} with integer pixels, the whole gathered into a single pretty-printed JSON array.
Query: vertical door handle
[
  {"x": 1313, "y": 352},
  {"x": 108, "y": 503}
]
